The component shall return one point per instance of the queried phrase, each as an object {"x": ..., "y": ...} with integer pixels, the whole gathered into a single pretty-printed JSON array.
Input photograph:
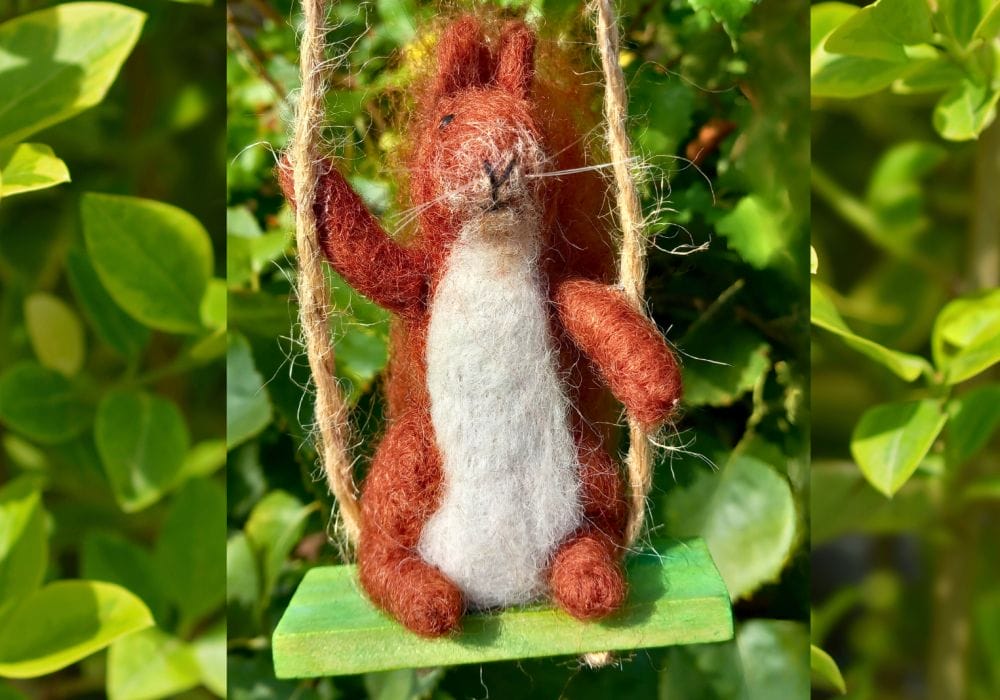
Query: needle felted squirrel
[{"x": 492, "y": 485}]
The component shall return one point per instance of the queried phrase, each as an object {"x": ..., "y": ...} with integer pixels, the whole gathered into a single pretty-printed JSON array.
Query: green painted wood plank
[{"x": 676, "y": 596}]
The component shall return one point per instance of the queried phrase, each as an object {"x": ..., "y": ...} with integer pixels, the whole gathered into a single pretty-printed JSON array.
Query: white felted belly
[{"x": 500, "y": 416}]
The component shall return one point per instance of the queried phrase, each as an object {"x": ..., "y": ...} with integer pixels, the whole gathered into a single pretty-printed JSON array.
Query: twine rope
[
  {"x": 331, "y": 412},
  {"x": 632, "y": 264},
  {"x": 330, "y": 408}
]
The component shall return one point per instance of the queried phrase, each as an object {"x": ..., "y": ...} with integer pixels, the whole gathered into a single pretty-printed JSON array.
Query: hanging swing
[{"x": 675, "y": 594}]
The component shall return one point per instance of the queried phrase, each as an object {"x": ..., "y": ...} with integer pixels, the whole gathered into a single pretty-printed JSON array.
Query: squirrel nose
[{"x": 498, "y": 180}]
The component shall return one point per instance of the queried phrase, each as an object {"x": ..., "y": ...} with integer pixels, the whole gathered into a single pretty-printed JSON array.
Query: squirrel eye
[{"x": 446, "y": 120}]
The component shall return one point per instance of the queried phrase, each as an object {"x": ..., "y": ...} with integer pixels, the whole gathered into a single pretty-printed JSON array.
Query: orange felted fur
[{"x": 485, "y": 128}]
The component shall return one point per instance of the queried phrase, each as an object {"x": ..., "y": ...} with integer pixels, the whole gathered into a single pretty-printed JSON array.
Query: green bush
[
  {"x": 111, "y": 342},
  {"x": 905, "y": 395},
  {"x": 725, "y": 83}
]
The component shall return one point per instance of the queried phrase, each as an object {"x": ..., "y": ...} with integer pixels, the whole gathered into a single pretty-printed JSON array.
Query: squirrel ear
[
  {"x": 516, "y": 64},
  {"x": 463, "y": 59}
]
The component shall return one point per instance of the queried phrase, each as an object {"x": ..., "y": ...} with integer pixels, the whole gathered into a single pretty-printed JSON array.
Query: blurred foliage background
[
  {"x": 905, "y": 393},
  {"x": 719, "y": 98},
  {"x": 112, "y": 333}
]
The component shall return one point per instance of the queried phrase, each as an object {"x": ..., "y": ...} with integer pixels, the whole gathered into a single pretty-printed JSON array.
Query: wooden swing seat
[{"x": 330, "y": 628}]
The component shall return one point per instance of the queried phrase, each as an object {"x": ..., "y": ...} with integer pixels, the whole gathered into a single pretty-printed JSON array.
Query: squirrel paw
[{"x": 587, "y": 580}]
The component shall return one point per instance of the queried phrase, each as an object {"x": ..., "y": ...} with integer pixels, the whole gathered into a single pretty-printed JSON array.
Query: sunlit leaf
[
  {"x": 110, "y": 557},
  {"x": 890, "y": 441},
  {"x": 27, "y": 167},
  {"x": 824, "y": 315},
  {"x": 150, "y": 664},
  {"x": 965, "y": 110},
  {"x": 966, "y": 336},
  {"x": 204, "y": 459},
  {"x": 24, "y": 541},
  {"x": 844, "y": 76},
  {"x": 989, "y": 26},
  {"x": 210, "y": 653},
  {"x": 882, "y": 29},
  {"x": 142, "y": 440},
  {"x": 55, "y": 332},
  {"x": 64, "y": 622},
  {"x": 273, "y": 529},
  {"x": 154, "y": 259},
  {"x": 55, "y": 63},
  {"x": 825, "y": 673},
  {"x": 755, "y": 230}
]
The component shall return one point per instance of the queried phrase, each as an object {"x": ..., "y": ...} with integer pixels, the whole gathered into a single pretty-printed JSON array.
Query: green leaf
[
  {"x": 882, "y": 29},
  {"x": 213, "y": 305},
  {"x": 987, "y": 489},
  {"x": 248, "y": 407},
  {"x": 402, "y": 684},
  {"x": 746, "y": 514},
  {"x": 891, "y": 440},
  {"x": 248, "y": 249},
  {"x": 961, "y": 17},
  {"x": 142, "y": 440},
  {"x": 242, "y": 586},
  {"x": 113, "y": 326},
  {"x": 965, "y": 110},
  {"x": 989, "y": 27},
  {"x": 150, "y": 664},
  {"x": 664, "y": 107},
  {"x": 58, "y": 62},
  {"x": 836, "y": 75},
  {"x": 41, "y": 404},
  {"x": 718, "y": 374},
  {"x": 210, "y": 653},
  {"x": 64, "y": 622},
  {"x": 843, "y": 502},
  {"x": 110, "y": 557},
  {"x": 895, "y": 194},
  {"x": 775, "y": 655},
  {"x": 154, "y": 259},
  {"x": 729, "y": 13},
  {"x": 27, "y": 167},
  {"x": 191, "y": 550},
  {"x": 825, "y": 673},
  {"x": 24, "y": 541},
  {"x": 204, "y": 459},
  {"x": 704, "y": 671},
  {"x": 273, "y": 529},
  {"x": 973, "y": 418},
  {"x": 824, "y": 315},
  {"x": 966, "y": 336},
  {"x": 55, "y": 333},
  {"x": 754, "y": 229},
  {"x": 935, "y": 75}
]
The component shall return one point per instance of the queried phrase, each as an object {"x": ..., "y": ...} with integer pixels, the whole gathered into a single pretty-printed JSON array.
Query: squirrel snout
[{"x": 498, "y": 178}]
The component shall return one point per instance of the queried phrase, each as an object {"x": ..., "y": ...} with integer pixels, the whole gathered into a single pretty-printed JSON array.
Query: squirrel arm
[
  {"x": 356, "y": 245},
  {"x": 630, "y": 354}
]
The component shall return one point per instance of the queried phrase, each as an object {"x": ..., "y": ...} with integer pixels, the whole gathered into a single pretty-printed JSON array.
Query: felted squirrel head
[{"x": 479, "y": 142}]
